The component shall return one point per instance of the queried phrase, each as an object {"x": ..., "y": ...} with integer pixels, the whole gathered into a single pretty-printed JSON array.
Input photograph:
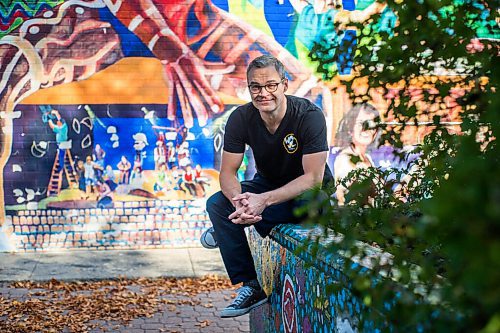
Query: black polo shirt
[{"x": 278, "y": 156}]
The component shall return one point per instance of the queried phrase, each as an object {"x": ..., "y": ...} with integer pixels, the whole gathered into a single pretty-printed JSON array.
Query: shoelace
[{"x": 243, "y": 292}]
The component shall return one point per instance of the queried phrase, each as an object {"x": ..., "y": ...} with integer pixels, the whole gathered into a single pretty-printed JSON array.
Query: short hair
[
  {"x": 267, "y": 61},
  {"x": 343, "y": 138}
]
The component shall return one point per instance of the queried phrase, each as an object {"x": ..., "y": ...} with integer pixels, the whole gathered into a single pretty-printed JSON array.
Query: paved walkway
[
  {"x": 109, "y": 264},
  {"x": 150, "y": 303}
]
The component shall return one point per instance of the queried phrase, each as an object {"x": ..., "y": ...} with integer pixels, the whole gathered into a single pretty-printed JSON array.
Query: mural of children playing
[{"x": 124, "y": 167}]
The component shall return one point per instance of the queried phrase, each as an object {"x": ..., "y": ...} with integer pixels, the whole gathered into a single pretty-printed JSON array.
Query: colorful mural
[
  {"x": 14, "y": 12},
  {"x": 110, "y": 104},
  {"x": 297, "y": 301}
]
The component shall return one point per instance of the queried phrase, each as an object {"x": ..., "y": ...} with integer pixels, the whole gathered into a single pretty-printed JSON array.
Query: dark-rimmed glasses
[{"x": 270, "y": 87}]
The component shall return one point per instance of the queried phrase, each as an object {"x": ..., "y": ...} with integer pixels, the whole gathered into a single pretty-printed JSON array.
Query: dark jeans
[
  {"x": 61, "y": 156},
  {"x": 231, "y": 237}
]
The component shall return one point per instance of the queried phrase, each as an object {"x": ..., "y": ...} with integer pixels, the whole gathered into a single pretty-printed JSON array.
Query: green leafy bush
[{"x": 440, "y": 217}]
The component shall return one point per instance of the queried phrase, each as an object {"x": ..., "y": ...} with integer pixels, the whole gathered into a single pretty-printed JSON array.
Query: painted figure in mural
[
  {"x": 189, "y": 181},
  {"x": 80, "y": 171},
  {"x": 178, "y": 178},
  {"x": 201, "y": 180},
  {"x": 60, "y": 128},
  {"x": 159, "y": 154},
  {"x": 288, "y": 137},
  {"x": 183, "y": 155},
  {"x": 356, "y": 135},
  {"x": 109, "y": 176},
  {"x": 162, "y": 181},
  {"x": 137, "y": 160},
  {"x": 90, "y": 175},
  {"x": 137, "y": 178},
  {"x": 171, "y": 155},
  {"x": 98, "y": 155},
  {"x": 140, "y": 143},
  {"x": 124, "y": 167},
  {"x": 104, "y": 194}
]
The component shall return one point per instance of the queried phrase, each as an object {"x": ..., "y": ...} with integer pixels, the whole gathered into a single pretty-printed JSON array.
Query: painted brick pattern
[{"x": 130, "y": 225}]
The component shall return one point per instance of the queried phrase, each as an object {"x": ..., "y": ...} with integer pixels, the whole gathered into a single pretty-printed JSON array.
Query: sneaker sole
[
  {"x": 241, "y": 312},
  {"x": 210, "y": 247}
]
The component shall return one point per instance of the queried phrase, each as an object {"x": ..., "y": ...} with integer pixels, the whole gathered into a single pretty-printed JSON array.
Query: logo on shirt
[{"x": 290, "y": 143}]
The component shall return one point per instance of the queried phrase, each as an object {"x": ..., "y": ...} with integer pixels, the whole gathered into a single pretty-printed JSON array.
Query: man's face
[{"x": 264, "y": 100}]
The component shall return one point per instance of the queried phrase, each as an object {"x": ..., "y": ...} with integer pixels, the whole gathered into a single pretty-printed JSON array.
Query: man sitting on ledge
[{"x": 288, "y": 137}]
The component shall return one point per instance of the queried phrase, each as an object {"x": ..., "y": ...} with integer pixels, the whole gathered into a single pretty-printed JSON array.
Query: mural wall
[
  {"x": 112, "y": 112},
  {"x": 298, "y": 301}
]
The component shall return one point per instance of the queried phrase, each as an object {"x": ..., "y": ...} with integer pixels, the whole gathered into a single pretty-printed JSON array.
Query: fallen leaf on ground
[
  {"x": 82, "y": 306},
  {"x": 204, "y": 323}
]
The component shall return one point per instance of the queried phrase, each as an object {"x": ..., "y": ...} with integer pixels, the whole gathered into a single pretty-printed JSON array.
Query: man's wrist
[
  {"x": 230, "y": 196},
  {"x": 268, "y": 198}
]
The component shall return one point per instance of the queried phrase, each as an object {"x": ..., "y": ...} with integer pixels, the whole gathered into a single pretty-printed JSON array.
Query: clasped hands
[{"x": 249, "y": 208}]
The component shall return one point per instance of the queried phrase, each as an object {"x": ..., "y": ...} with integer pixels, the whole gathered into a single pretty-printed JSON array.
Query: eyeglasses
[{"x": 270, "y": 87}]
